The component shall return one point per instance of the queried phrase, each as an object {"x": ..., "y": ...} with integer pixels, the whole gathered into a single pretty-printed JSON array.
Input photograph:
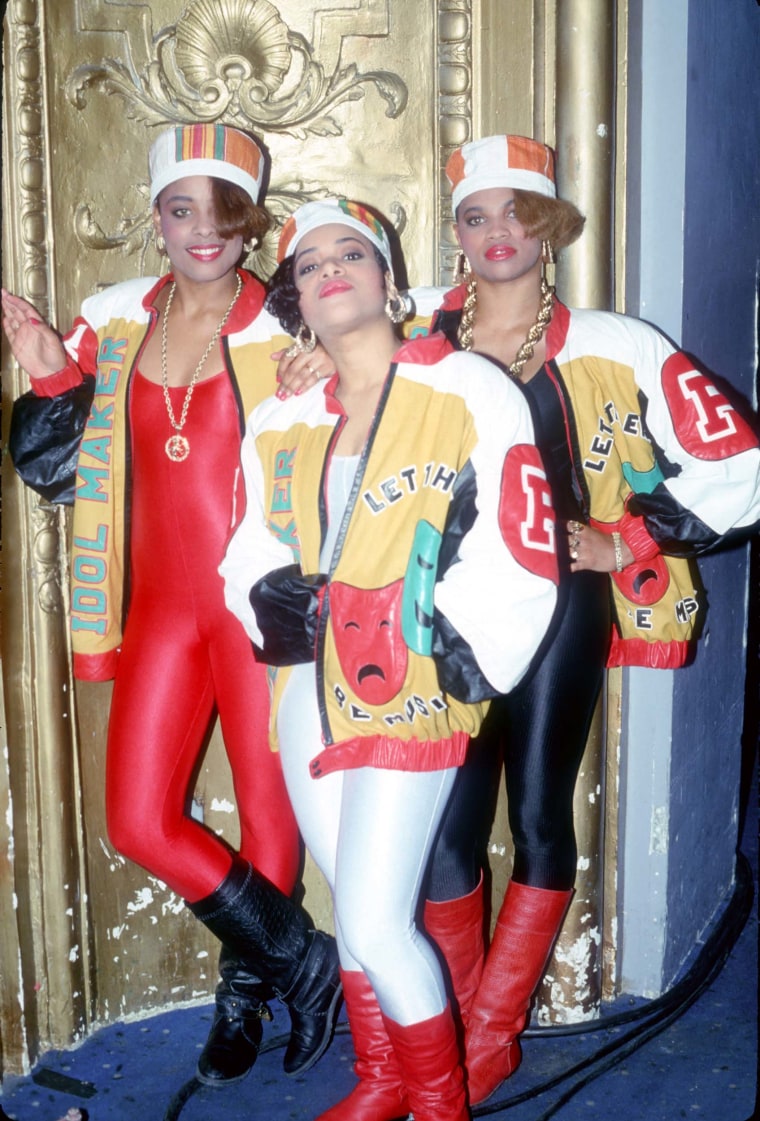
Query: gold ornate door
[{"x": 359, "y": 97}]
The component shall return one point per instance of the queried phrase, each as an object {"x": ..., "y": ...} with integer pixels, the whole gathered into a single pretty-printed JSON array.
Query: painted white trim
[{"x": 647, "y": 727}]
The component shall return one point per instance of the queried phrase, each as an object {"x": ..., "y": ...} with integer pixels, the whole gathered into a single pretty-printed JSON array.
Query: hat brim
[
  {"x": 339, "y": 218},
  {"x": 515, "y": 178},
  {"x": 215, "y": 169}
]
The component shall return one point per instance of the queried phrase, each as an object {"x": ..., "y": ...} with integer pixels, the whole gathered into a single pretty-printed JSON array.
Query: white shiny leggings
[{"x": 370, "y": 832}]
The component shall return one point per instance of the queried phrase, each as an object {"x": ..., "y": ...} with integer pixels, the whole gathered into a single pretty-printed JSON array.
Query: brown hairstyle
[
  {"x": 550, "y": 219},
  {"x": 236, "y": 213}
]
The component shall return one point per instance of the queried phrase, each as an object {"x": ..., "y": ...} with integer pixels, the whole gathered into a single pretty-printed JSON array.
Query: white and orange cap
[
  {"x": 329, "y": 212},
  {"x": 501, "y": 161},
  {"x": 215, "y": 150}
]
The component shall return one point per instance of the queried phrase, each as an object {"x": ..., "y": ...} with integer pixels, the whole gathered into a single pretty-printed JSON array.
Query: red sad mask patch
[{"x": 366, "y": 624}]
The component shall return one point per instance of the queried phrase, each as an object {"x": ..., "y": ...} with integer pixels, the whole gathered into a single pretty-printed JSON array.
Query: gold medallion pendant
[{"x": 177, "y": 447}]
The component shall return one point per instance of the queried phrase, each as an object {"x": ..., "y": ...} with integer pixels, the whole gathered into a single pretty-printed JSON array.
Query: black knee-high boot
[
  {"x": 272, "y": 936},
  {"x": 233, "y": 1042}
]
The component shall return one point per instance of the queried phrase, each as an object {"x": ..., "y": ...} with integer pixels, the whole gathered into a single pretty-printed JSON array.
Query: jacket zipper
[{"x": 340, "y": 539}]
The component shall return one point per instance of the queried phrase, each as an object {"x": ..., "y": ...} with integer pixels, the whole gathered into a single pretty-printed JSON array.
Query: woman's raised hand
[
  {"x": 36, "y": 346},
  {"x": 300, "y": 371}
]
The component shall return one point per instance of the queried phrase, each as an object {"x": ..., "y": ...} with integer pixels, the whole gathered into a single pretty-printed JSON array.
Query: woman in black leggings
[{"x": 635, "y": 442}]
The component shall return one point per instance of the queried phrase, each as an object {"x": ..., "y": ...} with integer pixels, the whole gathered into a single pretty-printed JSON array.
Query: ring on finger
[{"x": 574, "y": 554}]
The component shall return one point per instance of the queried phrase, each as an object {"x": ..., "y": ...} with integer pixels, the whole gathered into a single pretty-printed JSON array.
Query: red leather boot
[
  {"x": 428, "y": 1056},
  {"x": 456, "y": 927},
  {"x": 527, "y": 926},
  {"x": 380, "y": 1095}
]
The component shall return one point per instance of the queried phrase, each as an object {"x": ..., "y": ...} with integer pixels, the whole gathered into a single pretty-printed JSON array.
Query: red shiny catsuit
[{"x": 183, "y": 653}]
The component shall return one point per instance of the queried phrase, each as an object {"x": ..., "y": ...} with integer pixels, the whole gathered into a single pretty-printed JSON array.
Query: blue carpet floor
[{"x": 692, "y": 1054}]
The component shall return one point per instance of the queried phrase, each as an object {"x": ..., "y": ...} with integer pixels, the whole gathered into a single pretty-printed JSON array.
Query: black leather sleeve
[
  {"x": 678, "y": 531},
  {"x": 287, "y": 606},
  {"x": 458, "y": 671},
  {"x": 44, "y": 439}
]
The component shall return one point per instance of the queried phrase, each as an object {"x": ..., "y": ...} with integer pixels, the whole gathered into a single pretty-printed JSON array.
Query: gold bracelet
[{"x": 616, "y": 541}]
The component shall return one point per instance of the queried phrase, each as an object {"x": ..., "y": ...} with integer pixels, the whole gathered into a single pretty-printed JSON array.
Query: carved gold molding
[
  {"x": 26, "y": 168},
  {"x": 235, "y": 61},
  {"x": 454, "y": 80},
  {"x": 28, "y": 265},
  {"x": 238, "y": 63},
  {"x": 53, "y": 982}
]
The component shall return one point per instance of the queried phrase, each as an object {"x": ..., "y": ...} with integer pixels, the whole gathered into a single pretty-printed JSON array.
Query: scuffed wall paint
[
  {"x": 222, "y": 805},
  {"x": 568, "y": 978},
  {"x": 15, "y": 1042},
  {"x": 659, "y": 830}
]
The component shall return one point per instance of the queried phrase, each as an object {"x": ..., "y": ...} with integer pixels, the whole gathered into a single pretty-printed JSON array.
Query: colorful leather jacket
[
  {"x": 443, "y": 579},
  {"x": 106, "y": 341},
  {"x": 658, "y": 454}
]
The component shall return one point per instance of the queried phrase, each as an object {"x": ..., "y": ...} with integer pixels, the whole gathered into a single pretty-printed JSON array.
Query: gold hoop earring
[
  {"x": 461, "y": 268},
  {"x": 304, "y": 342},
  {"x": 395, "y": 306},
  {"x": 161, "y": 244}
]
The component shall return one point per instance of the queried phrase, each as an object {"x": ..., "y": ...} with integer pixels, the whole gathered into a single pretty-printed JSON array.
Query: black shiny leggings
[{"x": 539, "y": 732}]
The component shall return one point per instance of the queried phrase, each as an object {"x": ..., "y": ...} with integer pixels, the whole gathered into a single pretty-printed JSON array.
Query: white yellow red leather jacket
[
  {"x": 443, "y": 579},
  {"x": 660, "y": 455},
  {"x": 106, "y": 341}
]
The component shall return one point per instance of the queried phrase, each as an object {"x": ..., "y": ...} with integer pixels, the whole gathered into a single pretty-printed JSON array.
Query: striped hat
[
  {"x": 501, "y": 161},
  {"x": 328, "y": 212},
  {"x": 215, "y": 150}
]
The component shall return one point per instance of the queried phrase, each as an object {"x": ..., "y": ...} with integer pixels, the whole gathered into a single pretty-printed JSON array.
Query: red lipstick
[
  {"x": 333, "y": 288},
  {"x": 500, "y": 253},
  {"x": 205, "y": 252}
]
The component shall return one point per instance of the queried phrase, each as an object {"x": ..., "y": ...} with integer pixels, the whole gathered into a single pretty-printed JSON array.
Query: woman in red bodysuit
[{"x": 177, "y": 365}]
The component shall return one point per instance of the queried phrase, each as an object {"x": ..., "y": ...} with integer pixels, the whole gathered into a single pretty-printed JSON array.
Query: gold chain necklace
[
  {"x": 178, "y": 446},
  {"x": 545, "y": 309}
]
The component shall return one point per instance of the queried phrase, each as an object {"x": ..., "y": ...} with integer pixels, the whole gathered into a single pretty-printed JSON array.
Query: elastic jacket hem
[
  {"x": 391, "y": 753},
  {"x": 651, "y": 655},
  {"x": 96, "y": 667}
]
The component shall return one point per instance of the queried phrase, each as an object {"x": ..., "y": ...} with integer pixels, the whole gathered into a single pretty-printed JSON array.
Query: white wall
[{"x": 654, "y": 292}]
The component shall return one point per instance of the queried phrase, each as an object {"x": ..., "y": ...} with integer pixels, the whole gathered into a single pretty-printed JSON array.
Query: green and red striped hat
[
  {"x": 215, "y": 150},
  {"x": 328, "y": 212}
]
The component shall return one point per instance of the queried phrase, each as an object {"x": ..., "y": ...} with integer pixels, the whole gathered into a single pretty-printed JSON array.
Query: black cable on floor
[
  {"x": 181, "y": 1098},
  {"x": 656, "y": 1015}
]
